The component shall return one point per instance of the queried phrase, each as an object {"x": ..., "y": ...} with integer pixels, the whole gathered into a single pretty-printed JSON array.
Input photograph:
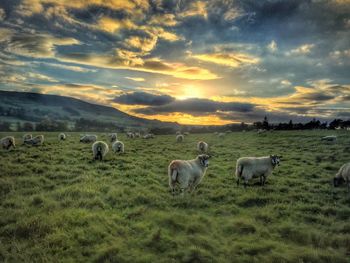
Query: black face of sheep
[
  {"x": 204, "y": 159},
  {"x": 275, "y": 160},
  {"x": 338, "y": 181},
  {"x": 10, "y": 145},
  {"x": 99, "y": 153}
]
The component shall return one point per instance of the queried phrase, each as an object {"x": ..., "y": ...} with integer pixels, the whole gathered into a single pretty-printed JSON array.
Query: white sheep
[
  {"x": 88, "y": 138},
  {"x": 343, "y": 175},
  {"x": 330, "y": 138},
  {"x": 118, "y": 147},
  {"x": 148, "y": 136},
  {"x": 8, "y": 142},
  {"x": 130, "y": 135},
  {"x": 113, "y": 137},
  {"x": 180, "y": 138},
  {"x": 221, "y": 135},
  {"x": 187, "y": 173},
  {"x": 186, "y": 133},
  {"x": 178, "y": 133},
  {"x": 62, "y": 136},
  {"x": 27, "y": 137},
  {"x": 253, "y": 167},
  {"x": 261, "y": 131},
  {"x": 35, "y": 141},
  {"x": 202, "y": 147},
  {"x": 137, "y": 135},
  {"x": 99, "y": 150}
]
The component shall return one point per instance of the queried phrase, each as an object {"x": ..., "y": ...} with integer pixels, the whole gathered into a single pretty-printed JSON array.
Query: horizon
[{"x": 190, "y": 62}]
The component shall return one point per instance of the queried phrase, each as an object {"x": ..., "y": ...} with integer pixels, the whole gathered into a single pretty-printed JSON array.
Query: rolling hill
[{"x": 34, "y": 107}]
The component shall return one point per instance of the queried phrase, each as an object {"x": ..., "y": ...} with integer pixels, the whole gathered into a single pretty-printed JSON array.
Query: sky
[{"x": 193, "y": 62}]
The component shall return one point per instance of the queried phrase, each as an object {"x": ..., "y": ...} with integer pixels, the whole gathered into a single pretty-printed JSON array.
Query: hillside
[{"x": 34, "y": 107}]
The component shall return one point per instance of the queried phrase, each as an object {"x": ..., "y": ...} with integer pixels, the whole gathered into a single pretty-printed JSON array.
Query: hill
[{"x": 34, "y": 107}]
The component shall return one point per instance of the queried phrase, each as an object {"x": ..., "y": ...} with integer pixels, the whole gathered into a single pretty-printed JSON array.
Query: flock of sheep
[{"x": 187, "y": 174}]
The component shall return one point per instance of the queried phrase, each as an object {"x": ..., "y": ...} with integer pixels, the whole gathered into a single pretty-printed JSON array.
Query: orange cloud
[{"x": 233, "y": 60}]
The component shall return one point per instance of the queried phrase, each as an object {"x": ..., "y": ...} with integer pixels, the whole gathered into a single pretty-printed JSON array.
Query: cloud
[
  {"x": 113, "y": 25},
  {"x": 136, "y": 79},
  {"x": 65, "y": 67},
  {"x": 196, "y": 107},
  {"x": 143, "y": 98},
  {"x": 303, "y": 49},
  {"x": 272, "y": 46},
  {"x": 233, "y": 60},
  {"x": 2, "y": 14},
  {"x": 196, "y": 8}
]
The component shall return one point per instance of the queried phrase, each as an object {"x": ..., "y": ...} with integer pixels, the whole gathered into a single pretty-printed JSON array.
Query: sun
[{"x": 188, "y": 92}]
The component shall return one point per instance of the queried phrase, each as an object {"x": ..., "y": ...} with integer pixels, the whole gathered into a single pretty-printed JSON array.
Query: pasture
[{"x": 57, "y": 205}]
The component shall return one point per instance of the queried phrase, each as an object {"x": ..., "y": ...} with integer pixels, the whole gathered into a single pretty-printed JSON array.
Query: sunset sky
[{"x": 194, "y": 62}]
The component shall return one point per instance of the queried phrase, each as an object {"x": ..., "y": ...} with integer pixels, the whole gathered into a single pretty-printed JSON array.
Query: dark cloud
[
  {"x": 143, "y": 98},
  {"x": 316, "y": 97},
  {"x": 197, "y": 107}
]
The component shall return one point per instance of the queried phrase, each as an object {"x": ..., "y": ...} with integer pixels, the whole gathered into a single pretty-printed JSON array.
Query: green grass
[{"x": 56, "y": 204}]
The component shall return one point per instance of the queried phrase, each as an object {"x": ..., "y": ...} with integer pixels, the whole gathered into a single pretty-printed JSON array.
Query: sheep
[
  {"x": 118, "y": 147},
  {"x": 253, "y": 167},
  {"x": 330, "y": 138},
  {"x": 202, "y": 147},
  {"x": 343, "y": 175},
  {"x": 62, "y": 136},
  {"x": 99, "y": 150},
  {"x": 137, "y": 135},
  {"x": 221, "y": 135},
  {"x": 187, "y": 173},
  {"x": 186, "y": 133},
  {"x": 180, "y": 138},
  {"x": 88, "y": 138},
  {"x": 27, "y": 137},
  {"x": 113, "y": 137},
  {"x": 261, "y": 131},
  {"x": 8, "y": 142},
  {"x": 178, "y": 133},
  {"x": 37, "y": 140},
  {"x": 130, "y": 135},
  {"x": 148, "y": 136}
]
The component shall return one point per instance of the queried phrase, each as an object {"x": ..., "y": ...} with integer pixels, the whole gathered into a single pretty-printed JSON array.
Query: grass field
[{"x": 57, "y": 205}]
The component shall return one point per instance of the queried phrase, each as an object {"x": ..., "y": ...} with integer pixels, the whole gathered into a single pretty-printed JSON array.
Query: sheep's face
[
  {"x": 338, "y": 181},
  {"x": 204, "y": 159},
  {"x": 275, "y": 160}
]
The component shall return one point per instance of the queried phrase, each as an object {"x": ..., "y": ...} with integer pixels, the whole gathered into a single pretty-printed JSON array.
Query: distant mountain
[{"x": 34, "y": 107}]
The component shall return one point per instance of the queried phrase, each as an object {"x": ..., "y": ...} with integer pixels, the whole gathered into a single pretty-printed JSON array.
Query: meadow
[{"x": 58, "y": 205}]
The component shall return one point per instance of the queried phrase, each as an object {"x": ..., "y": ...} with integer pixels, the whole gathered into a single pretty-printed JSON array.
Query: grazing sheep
[
  {"x": 8, "y": 142},
  {"x": 187, "y": 173},
  {"x": 88, "y": 138},
  {"x": 261, "y": 131},
  {"x": 137, "y": 135},
  {"x": 27, "y": 137},
  {"x": 221, "y": 135},
  {"x": 35, "y": 141},
  {"x": 130, "y": 135},
  {"x": 202, "y": 147},
  {"x": 62, "y": 136},
  {"x": 178, "y": 133},
  {"x": 343, "y": 175},
  {"x": 253, "y": 167},
  {"x": 180, "y": 138},
  {"x": 186, "y": 133},
  {"x": 118, "y": 147},
  {"x": 99, "y": 150},
  {"x": 148, "y": 136},
  {"x": 113, "y": 137},
  {"x": 330, "y": 138}
]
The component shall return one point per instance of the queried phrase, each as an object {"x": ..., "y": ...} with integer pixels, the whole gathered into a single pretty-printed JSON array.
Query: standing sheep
[
  {"x": 118, "y": 147},
  {"x": 62, "y": 136},
  {"x": 88, "y": 138},
  {"x": 180, "y": 138},
  {"x": 343, "y": 175},
  {"x": 99, "y": 150},
  {"x": 8, "y": 142},
  {"x": 202, "y": 147},
  {"x": 113, "y": 137},
  {"x": 253, "y": 167},
  {"x": 330, "y": 138},
  {"x": 27, "y": 137},
  {"x": 187, "y": 173},
  {"x": 148, "y": 136},
  {"x": 37, "y": 140},
  {"x": 130, "y": 135}
]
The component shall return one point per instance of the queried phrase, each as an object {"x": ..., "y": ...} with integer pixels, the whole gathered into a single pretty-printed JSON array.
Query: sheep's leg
[
  {"x": 263, "y": 177},
  {"x": 237, "y": 181},
  {"x": 261, "y": 180},
  {"x": 245, "y": 183}
]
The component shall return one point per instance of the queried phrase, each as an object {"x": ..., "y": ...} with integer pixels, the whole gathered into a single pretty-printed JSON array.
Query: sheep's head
[
  {"x": 204, "y": 160},
  {"x": 275, "y": 159},
  {"x": 338, "y": 181}
]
